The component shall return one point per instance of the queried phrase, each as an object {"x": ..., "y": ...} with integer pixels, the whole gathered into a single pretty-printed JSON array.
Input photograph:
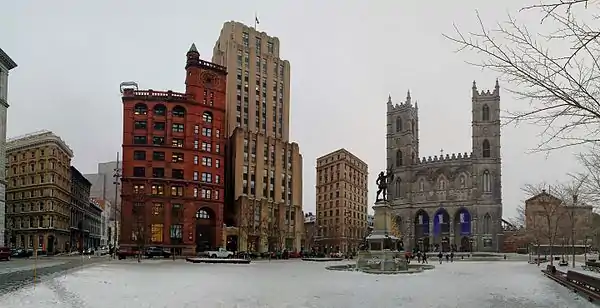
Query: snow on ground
[{"x": 280, "y": 284}]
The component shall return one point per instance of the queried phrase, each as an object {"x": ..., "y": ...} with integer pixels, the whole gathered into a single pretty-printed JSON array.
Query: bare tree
[
  {"x": 556, "y": 71},
  {"x": 518, "y": 220},
  {"x": 140, "y": 231},
  {"x": 246, "y": 227}
]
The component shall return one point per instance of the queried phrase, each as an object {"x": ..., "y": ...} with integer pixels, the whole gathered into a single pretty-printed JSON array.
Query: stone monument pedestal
[{"x": 382, "y": 251}]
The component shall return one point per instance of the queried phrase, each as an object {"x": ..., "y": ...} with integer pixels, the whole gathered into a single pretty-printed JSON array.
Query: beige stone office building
[
  {"x": 258, "y": 81},
  {"x": 265, "y": 168},
  {"x": 342, "y": 187},
  {"x": 38, "y": 191},
  {"x": 265, "y": 200}
]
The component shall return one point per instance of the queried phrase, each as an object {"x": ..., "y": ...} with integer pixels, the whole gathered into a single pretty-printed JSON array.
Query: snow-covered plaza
[{"x": 292, "y": 283}]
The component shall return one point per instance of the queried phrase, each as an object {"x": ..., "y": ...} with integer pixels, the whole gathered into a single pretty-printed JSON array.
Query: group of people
[{"x": 422, "y": 257}]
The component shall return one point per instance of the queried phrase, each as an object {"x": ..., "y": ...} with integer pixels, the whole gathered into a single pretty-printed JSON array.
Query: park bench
[{"x": 587, "y": 284}]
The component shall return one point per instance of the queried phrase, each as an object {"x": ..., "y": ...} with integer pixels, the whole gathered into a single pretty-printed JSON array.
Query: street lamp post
[{"x": 117, "y": 178}]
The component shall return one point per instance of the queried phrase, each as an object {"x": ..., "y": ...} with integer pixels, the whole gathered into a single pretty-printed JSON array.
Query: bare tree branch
[{"x": 560, "y": 84}]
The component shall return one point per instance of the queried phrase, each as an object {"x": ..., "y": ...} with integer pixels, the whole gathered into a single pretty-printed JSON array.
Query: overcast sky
[{"x": 346, "y": 57}]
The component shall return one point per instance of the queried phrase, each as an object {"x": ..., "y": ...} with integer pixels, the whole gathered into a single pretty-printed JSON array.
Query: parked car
[
  {"x": 157, "y": 252},
  {"x": 124, "y": 253},
  {"x": 21, "y": 253},
  {"x": 222, "y": 253},
  {"x": 103, "y": 250},
  {"x": 88, "y": 251},
  {"x": 5, "y": 253}
]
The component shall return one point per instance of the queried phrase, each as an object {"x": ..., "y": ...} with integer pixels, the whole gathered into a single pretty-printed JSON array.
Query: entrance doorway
[
  {"x": 50, "y": 245},
  {"x": 205, "y": 229}
]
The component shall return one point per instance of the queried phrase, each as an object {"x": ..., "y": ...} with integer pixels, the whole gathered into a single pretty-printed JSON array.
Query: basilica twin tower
[{"x": 451, "y": 201}]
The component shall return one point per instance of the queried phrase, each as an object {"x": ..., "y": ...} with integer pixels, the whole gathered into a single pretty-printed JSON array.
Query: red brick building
[{"x": 173, "y": 162}]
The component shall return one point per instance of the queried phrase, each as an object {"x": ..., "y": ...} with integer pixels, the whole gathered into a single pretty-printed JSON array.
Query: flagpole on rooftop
[{"x": 256, "y": 21}]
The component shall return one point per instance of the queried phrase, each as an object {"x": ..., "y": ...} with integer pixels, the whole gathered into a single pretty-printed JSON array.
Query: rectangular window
[
  {"x": 159, "y": 125},
  {"x": 196, "y": 144},
  {"x": 158, "y": 173},
  {"x": 138, "y": 188},
  {"x": 207, "y": 132},
  {"x": 206, "y": 177},
  {"x": 177, "y": 157},
  {"x": 140, "y": 140},
  {"x": 177, "y": 174},
  {"x": 140, "y": 125},
  {"x": 157, "y": 209},
  {"x": 216, "y": 194},
  {"x": 157, "y": 233},
  {"x": 178, "y": 143},
  {"x": 206, "y": 193},
  {"x": 195, "y": 192},
  {"x": 139, "y": 172},
  {"x": 139, "y": 155},
  {"x": 218, "y": 163},
  {"x": 196, "y": 159},
  {"x": 270, "y": 47},
  {"x": 206, "y": 161},
  {"x": 177, "y": 191},
  {"x": 217, "y": 133},
  {"x": 177, "y": 128},
  {"x": 195, "y": 175},
  {"x": 157, "y": 140},
  {"x": 176, "y": 231},
  {"x": 196, "y": 129},
  {"x": 207, "y": 147},
  {"x": 159, "y": 156},
  {"x": 217, "y": 179},
  {"x": 157, "y": 189},
  {"x": 217, "y": 148}
]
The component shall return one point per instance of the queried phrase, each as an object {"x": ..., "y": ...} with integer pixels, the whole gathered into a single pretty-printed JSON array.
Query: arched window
[
  {"x": 399, "y": 158},
  {"x": 442, "y": 184},
  {"x": 140, "y": 109},
  {"x": 485, "y": 113},
  {"x": 412, "y": 126},
  {"x": 202, "y": 214},
  {"x": 462, "y": 181},
  {"x": 487, "y": 181},
  {"x": 413, "y": 158},
  {"x": 207, "y": 117},
  {"x": 487, "y": 224},
  {"x": 422, "y": 185},
  {"x": 486, "y": 148},
  {"x": 398, "y": 188},
  {"x": 398, "y": 124},
  {"x": 178, "y": 112},
  {"x": 160, "y": 110}
]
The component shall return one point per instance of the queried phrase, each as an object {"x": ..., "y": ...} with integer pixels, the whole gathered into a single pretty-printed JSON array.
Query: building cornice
[
  {"x": 36, "y": 139},
  {"x": 6, "y": 60}
]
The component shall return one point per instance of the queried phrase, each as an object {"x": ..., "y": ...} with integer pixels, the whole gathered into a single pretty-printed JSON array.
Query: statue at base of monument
[{"x": 382, "y": 182}]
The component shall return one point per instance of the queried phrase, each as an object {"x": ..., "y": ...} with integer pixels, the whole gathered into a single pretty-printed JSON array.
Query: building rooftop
[{"x": 6, "y": 60}]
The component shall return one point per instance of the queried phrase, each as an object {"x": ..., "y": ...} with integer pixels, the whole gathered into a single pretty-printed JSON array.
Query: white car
[{"x": 222, "y": 253}]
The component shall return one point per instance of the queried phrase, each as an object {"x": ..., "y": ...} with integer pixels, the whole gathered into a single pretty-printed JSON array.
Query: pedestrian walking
[
  {"x": 452, "y": 256},
  {"x": 440, "y": 256}
]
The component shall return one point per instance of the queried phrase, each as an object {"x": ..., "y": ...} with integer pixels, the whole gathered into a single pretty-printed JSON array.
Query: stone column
[{"x": 382, "y": 219}]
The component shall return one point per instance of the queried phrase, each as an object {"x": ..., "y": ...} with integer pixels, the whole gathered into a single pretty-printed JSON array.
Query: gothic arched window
[
  {"x": 485, "y": 113},
  {"x": 486, "y": 148},
  {"x": 487, "y": 224},
  {"x": 398, "y": 187},
  {"x": 463, "y": 181},
  {"x": 412, "y": 126},
  {"x": 399, "y": 158},
  {"x": 442, "y": 184},
  {"x": 487, "y": 181},
  {"x": 422, "y": 185},
  {"x": 398, "y": 124}
]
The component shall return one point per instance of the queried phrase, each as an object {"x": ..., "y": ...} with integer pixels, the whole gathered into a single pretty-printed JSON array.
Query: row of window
[
  {"x": 176, "y": 128},
  {"x": 159, "y": 173},
  {"x": 176, "y": 142},
  {"x": 177, "y": 157},
  {"x": 160, "y": 190},
  {"x": 159, "y": 110}
]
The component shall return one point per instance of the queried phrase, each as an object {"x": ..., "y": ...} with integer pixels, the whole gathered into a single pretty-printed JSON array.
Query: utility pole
[
  {"x": 573, "y": 228},
  {"x": 117, "y": 177}
]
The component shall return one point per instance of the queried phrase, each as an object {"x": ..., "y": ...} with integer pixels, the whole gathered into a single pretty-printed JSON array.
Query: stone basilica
[{"x": 452, "y": 200}]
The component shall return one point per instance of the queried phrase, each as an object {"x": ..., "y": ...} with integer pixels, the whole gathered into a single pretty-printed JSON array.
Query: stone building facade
[
  {"x": 452, "y": 200},
  {"x": 38, "y": 192},
  {"x": 6, "y": 64}
]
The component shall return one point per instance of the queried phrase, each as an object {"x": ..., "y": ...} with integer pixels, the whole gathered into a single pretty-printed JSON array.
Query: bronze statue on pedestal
[{"x": 382, "y": 182}]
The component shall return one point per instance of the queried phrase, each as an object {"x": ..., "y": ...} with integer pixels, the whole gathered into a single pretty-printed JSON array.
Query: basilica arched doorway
[
  {"x": 205, "y": 229},
  {"x": 462, "y": 229},
  {"x": 441, "y": 229},
  {"x": 422, "y": 230}
]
